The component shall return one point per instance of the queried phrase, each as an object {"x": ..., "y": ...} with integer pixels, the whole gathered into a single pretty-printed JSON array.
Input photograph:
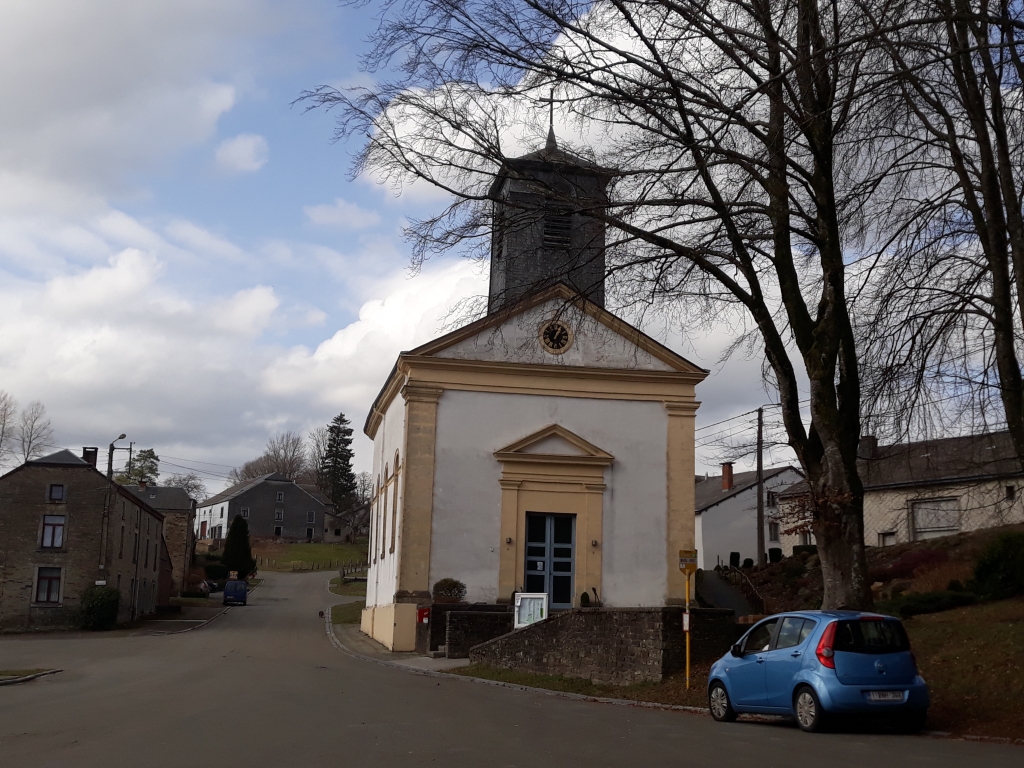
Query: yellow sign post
[{"x": 688, "y": 565}]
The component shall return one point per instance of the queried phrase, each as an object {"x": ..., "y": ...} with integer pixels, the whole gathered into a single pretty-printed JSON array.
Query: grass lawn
[
  {"x": 19, "y": 672},
  {"x": 321, "y": 554},
  {"x": 347, "y": 613},
  {"x": 973, "y": 661},
  {"x": 352, "y": 589}
]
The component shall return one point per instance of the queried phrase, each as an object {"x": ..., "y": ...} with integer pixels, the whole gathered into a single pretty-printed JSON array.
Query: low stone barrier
[
  {"x": 464, "y": 629},
  {"x": 614, "y": 646}
]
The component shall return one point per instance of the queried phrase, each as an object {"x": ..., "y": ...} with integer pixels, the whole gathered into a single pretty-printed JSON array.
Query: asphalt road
[{"x": 263, "y": 686}]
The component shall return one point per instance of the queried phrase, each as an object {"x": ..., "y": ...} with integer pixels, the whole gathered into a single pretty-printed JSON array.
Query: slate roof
[
  {"x": 935, "y": 462},
  {"x": 709, "y": 491},
  {"x": 162, "y": 497},
  {"x": 62, "y": 458},
  {"x": 275, "y": 477},
  {"x": 313, "y": 491}
]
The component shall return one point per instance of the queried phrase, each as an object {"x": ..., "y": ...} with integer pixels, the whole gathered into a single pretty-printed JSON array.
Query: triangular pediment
[
  {"x": 512, "y": 334},
  {"x": 554, "y": 442}
]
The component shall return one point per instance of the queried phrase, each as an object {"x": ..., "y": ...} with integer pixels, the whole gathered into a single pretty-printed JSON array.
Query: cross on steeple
[{"x": 551, "y": 143}]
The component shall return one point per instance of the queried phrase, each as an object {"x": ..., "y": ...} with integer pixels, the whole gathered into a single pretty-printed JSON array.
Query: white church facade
[{"x": 548, "y": 447}]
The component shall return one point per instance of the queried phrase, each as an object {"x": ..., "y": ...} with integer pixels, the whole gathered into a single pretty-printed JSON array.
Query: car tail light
[{"x": 824, "y": 650}]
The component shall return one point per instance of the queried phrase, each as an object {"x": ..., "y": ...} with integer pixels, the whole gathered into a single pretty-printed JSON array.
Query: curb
[
  {"x": 512, "y": 686},
  {"x": 190, "y": 629},
  {"x": 26, "y": 678}
]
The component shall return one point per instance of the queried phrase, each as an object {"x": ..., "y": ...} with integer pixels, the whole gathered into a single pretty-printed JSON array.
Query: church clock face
[{"x": 556, "y": 337}]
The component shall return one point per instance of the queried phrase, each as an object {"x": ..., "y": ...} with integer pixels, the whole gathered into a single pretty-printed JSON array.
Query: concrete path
[{"x": 263, "y": 686}]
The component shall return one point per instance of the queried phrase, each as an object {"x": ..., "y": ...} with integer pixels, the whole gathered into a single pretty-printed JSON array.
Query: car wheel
[
  {"x": 809, "y": 714},
  {"x": 719, "y": 704}
]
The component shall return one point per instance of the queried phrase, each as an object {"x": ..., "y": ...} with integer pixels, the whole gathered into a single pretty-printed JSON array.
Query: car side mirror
[{"x": 736, "y": 650}]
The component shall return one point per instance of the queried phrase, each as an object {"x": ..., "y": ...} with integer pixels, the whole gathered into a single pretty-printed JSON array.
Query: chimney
[
  {"x": 142, "y": 485},
  {"x": 89, "y": 455},
  {"x": 867, "y": 448},
  {"x": 727, "y": 476}
]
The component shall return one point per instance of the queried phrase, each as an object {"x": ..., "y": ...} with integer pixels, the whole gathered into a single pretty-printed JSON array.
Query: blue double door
[{"x": 551, "y": 557}]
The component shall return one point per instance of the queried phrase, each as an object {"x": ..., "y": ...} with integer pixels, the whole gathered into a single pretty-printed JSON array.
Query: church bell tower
[{"x": 544, "y": 230}]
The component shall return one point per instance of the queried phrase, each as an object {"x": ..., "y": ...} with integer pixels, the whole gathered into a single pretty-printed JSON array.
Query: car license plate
[{"x": 885, "y": 695}]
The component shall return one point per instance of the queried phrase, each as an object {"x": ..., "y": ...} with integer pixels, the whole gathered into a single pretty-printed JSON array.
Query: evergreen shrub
[
  {"x": 449, "y": 590},
  {"x": 237, "y": 552},
  {"x": 999, "y": 573}
]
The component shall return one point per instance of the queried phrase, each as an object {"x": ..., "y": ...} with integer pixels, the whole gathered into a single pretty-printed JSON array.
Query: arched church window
[{"x": 394, "y": 507}]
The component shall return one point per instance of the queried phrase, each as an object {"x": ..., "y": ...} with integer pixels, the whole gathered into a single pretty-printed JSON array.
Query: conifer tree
[
  {"x": 237, "y": 552},
  {"x": 341, "y": 480}
]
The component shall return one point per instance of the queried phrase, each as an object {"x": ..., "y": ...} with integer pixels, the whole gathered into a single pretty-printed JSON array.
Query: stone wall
[
  {"x": 617, "y": 646},
  {"x": 464, "y": 629},
  {"x": 437, "y": 627}
]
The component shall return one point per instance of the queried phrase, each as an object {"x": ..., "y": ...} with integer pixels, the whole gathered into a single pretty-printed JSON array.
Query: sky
[{"x": 184, "y": 254}]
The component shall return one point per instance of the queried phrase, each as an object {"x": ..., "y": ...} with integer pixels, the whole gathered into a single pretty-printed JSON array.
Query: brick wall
[
  {"x": 178, "y": 535},
  {"x": 437, "y": 627},
  {"x": 464, "y": 629},
  {"x": 617, "y": 646}
]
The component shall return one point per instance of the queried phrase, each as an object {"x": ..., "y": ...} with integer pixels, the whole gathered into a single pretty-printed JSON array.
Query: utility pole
[
  {"x": 131, "y": 446},
  {"x": 761, "y": 559}
]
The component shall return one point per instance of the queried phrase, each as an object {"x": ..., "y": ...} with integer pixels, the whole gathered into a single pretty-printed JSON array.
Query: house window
[
  {"x": 278, "y": 515},
  {"x": 337, "y": 531},
  {"x": 135, "y": 549},
  {"x": 1011, "y": 492},
  {"x": 311, "y": 517},
  {"x": 56, "y": 493},
  {"x": 277, "y": 530},
  {"x": 280, "y": 496},
  {"x": 146, "y": 564},
  {"x": 120, "y": 550},
  {"x": 771, "y": 499},
  {"x": 773, "y": 532},
  {"x": 935, "y": 517},
  {"x": 886, "y": 538},
  {"x": 309, "y": 534},
  {"x": 53, "y": 531},
  {"x": 806, "y": 539},
  {"x": 245, "y": 513},
  {"x": 222, "y": 513},
  {"x": 48, "y": 585}
]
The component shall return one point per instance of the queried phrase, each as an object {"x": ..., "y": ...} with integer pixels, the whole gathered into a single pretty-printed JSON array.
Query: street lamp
[{"x": 110, "y": 456}]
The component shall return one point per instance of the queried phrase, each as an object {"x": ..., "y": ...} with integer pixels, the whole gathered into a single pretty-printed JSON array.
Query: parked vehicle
[
  {"x": 820, "y": 665},
  {"x": 236, "y": 592}
]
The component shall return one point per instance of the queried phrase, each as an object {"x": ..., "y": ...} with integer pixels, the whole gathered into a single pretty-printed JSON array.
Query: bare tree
[
  {"x": 285, "y": 454},
  {"x": 739, "y": 138},
  {"x": 191, "y": 482},
  {"x": 316, "y": 458},
  {"x": 948, "y": 326},
  {"x": 8, "y": 424},
  {"x": 33, "y": 433},
  {"x": 364, "y": 487}
]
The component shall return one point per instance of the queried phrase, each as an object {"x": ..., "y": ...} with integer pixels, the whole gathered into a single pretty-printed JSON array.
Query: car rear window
[{"x": 871, "y": 636}]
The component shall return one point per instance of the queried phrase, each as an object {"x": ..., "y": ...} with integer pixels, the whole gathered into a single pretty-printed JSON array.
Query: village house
[
  {"x": 179, "y": 511},
  {"x": 65, "y": 527},
  {"x": 273, "y": 505},
  {"x": 726, "y": 517},
  {"x": 547, "y": 447},
  {"x": 926, "y": 489}
]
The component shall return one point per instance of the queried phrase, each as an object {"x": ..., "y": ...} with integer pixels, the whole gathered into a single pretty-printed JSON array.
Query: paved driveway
[{"x": 263, "y": 686}]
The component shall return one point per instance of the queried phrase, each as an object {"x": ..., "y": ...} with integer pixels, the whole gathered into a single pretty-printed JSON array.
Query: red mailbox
[{"x": 423, "y": 615}]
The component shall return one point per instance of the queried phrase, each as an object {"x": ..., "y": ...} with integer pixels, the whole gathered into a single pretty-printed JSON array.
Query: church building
[{"x": 547, "y": 447}]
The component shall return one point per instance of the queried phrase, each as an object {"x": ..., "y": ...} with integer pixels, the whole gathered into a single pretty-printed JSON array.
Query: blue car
[
  {"x": 817, "y": 665},
  {"x": 236, "y": 592}
]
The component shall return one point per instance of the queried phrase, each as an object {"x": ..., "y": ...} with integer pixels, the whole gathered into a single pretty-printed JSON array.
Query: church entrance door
[{"x": 550, "y": 557}]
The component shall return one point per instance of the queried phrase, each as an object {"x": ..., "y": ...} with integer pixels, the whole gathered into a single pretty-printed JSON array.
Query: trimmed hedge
[
  {"x": 911, "y": 604},
  {"x": 449, "y": 590},
  {"x": 98, "y": 611}
]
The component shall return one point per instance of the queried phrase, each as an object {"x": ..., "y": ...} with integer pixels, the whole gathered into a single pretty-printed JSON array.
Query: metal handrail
[{"x": 753, "y": 594}]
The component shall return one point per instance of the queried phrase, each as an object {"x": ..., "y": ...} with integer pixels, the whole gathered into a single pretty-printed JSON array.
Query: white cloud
[
  {"x": 341, "y": 214},
  {"x": 245, "y": 153}
]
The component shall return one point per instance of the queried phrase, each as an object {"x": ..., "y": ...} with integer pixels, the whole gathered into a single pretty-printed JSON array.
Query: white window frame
[{"x": 245, "y": 513}]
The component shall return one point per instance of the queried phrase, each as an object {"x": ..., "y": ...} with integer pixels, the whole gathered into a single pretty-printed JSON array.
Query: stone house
[
  {"x": 179, "y": 511},
  {"x": 273, "y": 505},
  {"x": 726, "y": 517},
  {"x": 931, "y": 488},
  {"x": 65, "y": 527}
]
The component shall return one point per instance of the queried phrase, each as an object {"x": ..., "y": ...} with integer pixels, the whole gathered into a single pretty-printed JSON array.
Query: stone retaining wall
[
  {"x": 617, "y": 646},
  {"x": 464, "y": 629}
]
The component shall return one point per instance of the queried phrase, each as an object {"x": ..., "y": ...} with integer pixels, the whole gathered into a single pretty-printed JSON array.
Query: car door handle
[
  {"x": 760, "y": 659},
  {"x": 796, "y": 653}
]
